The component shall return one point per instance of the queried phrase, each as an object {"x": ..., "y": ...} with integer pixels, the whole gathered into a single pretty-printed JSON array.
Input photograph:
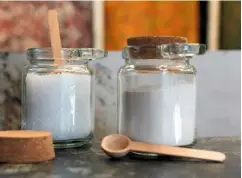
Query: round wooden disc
[{"x": 26, "y": 146}]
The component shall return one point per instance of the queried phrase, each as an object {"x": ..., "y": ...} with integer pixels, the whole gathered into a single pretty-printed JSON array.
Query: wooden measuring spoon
[{"x": 117, "y": 146}]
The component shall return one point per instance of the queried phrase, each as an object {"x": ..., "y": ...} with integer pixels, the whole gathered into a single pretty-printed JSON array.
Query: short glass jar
[
  {"x": 157, "y": 91},
  {"x": 59, "y": 96}
]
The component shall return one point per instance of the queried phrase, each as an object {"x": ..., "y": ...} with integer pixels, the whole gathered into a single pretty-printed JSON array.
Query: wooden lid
[
  {"x": 24, "y": 146},
  {"x": 148, "y": 45}
]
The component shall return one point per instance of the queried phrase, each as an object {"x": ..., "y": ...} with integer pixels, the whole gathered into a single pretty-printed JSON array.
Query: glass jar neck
[
  {"x": 159, "y": 62},
  {"x": 52, "y": 62},
  {"x": 69, "y": 56}
]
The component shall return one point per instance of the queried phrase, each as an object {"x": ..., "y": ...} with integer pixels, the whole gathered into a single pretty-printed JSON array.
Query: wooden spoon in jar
[{"x": 117, "y": 146}]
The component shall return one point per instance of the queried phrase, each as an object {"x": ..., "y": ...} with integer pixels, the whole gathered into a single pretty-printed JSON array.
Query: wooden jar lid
[{"x": 25, "y": 146}]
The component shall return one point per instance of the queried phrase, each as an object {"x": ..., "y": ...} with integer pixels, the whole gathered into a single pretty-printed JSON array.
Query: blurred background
[{"x": 107, "y": 24}]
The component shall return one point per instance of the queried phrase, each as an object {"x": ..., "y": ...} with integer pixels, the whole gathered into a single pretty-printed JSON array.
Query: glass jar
[
  {"x": 157, "y": 91},
  {"x": 59, "y": 97}
]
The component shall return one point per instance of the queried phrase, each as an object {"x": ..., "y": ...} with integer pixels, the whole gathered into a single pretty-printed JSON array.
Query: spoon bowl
[{"x": 116, "y": 145}]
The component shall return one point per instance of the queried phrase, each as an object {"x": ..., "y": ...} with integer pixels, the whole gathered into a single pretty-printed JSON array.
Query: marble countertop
[{"x": 92, "y": 162}]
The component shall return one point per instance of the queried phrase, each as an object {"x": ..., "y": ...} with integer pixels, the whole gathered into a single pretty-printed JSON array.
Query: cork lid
[
  {"x": 23, "y": 146},
  {"x": 145, "y": 47},
  {"x": 155, "y": 40}
]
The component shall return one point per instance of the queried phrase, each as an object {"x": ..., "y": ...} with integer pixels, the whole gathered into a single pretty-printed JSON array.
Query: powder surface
[
  {"x": 59, "y": 103},
  {"x": 161, "y": 114}
]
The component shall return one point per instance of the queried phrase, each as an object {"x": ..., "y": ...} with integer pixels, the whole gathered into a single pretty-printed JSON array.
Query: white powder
[
  {"x": 59, "y": 103},
  {"x": 163, "y": 114}
]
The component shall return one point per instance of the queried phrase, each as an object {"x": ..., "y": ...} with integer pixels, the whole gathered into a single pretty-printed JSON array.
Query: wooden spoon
[
  {"x": 54, "y": 32},
  {"x": 119, "y": 145}
]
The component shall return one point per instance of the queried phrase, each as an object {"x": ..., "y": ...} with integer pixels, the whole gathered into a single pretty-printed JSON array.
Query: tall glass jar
[
  {"x": 157, "y": 90},
  {"x": 59, "y": 97}
]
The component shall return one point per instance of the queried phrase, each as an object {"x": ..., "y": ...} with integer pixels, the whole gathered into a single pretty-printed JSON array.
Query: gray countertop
[{"x": 93, "y": 163}]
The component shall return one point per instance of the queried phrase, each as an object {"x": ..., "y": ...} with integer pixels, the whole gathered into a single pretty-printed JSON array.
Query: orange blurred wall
[{"x": 124, "y": 19}]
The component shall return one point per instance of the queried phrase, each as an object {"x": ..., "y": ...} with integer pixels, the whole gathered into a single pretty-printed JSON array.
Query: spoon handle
[{"x": 178, "y": 151}]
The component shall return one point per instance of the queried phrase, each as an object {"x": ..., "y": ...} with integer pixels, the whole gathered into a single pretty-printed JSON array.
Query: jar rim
[{"x": 67, "y": 53}]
